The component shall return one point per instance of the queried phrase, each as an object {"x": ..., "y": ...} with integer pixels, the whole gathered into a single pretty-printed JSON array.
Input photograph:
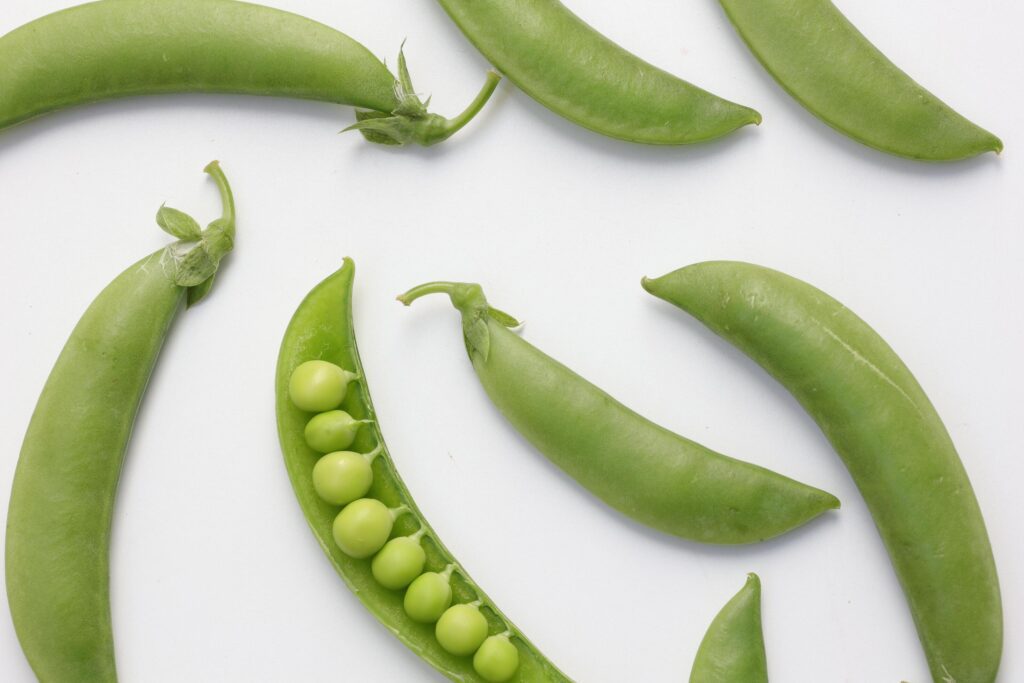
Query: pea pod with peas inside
[
  {"x": 560, "y": 61},
  {"x": 117, "y": 48},
  {"x": 363, "y": 516},
  {"x": 641, "y": 469},
  {"x": 830, "y": 68},
  {"x": 62, "y": 500},
  {"x": 888, "y": 434}
]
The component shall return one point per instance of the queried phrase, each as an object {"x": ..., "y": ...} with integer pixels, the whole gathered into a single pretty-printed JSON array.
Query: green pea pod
[
  {"x": 576, "y": 72},
  {"x": 829, "y": 67},
  {"x": 58, "y": 523},
  {"x": 116, "y": 48},
  {"x": 639, "y": 468},
  {"x": 887, "y": 432},
  {"x": 322, "y": 329},
  {"x": 732, "y": 650}
]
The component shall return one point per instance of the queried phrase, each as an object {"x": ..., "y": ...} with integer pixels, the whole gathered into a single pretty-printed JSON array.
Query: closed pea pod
[
  {"x": 641, "y": 469},
  {"x": 322, "y": 329},
  {"x": 732, "y": 650},
  {"x": 116, "y": 48},
  {"x": 62, "y": 500},
  {"x": 888, "y": 434},
  {"x": 560, "y": 61},
  {"x": 830, "y": 68}
]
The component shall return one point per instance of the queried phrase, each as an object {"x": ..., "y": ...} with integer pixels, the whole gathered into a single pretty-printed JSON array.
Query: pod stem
[
  {"x": 410, "y": 121},
  {"x": 470, "y": 301}
]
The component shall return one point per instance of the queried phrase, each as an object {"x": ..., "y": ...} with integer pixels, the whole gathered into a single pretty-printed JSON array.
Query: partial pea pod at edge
[
  {"x": 322, "y": 329},
  {"x": 893, "y": 442},
  {"x": 642, "y": 470},
  {"x": 118, "y": 48},
  {"x": 576, "y": 72},
  {"x": 829, "y": 67},
  {"x": 62, "y": 500}
]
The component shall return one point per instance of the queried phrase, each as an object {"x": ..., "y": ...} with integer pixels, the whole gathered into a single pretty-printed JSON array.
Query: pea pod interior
[{"x": 322, "y": 329}]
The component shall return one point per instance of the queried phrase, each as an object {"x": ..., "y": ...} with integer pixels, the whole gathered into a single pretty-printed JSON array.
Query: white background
[{"x": 215, "y": 574}]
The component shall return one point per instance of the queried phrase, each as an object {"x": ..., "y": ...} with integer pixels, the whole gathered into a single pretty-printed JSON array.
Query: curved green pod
[
  {"x": 829, "y": 67},
  {"x": 62, "y": 500},
  {"x": 117, "y": 48},
  {"x": 732, "y": 650},
  {"x": 888, "y": 434},
  {"x": 560, "y": 61},
  {"x": 322, "y": 329},
  {"x": 641, "y": 469}
]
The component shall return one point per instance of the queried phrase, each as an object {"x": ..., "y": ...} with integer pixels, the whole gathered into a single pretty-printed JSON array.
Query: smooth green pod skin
[
  {"x": 560, "y": 61},
  {"x": 322, "y": 328},
  {"x": 62, "y": 500},
  {"x": 732, "y": 650},
  {"x": 888, "y": 434},
  {"x": 641, "y": 469},
  {"x": 830, "y": 68},
  {"x": 118, "y": 48}
]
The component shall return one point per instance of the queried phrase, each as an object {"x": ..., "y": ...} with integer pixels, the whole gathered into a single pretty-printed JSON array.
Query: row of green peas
[{"x": 364, "y": 525}]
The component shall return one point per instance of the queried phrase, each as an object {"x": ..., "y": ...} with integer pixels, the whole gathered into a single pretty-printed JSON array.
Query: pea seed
[
  {"x": 343, "y": 476},
  {"x": 334, "y": 430},
  {"x": 317, "y": 385},
  {"x": 497, "y": 659},
  {"x": 461, "y": 629},
  {"x": 399, "y": 562},
  {"x": 362, "y": 527},
  {"x": 429, "y": 596}
]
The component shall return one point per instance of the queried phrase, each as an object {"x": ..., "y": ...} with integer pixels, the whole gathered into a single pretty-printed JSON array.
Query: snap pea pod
[
  {"x": 62, "y": 500},
  {"x": 322, "y": 329},
  {"x": 116, "y": 48},
  {"x": 637, "y": 467},
  {"x": 888, "y": 434},
  {"x": 560, "y": 61},
  {"x": 732, "y": 650},
  {"x": 829, "y": 67}
]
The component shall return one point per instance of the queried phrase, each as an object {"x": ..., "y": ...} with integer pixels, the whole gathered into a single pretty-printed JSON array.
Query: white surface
[{"x": 215, "y": 575}]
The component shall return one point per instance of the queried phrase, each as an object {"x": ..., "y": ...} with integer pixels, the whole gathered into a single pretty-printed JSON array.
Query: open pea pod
[{"x": 322, "y": 329}]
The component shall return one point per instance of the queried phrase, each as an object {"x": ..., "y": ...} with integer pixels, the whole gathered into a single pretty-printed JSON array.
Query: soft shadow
[{"x": 263, "y": 106}]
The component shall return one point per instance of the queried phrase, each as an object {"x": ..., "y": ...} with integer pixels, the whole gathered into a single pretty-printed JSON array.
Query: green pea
[
  {"x": 399, "y": 562},
  {"x": 342, "y": 476},
  {"x": 461, "y": 629},
  {"x": 362, "y": 527},
  {"x": 334, "y": 430},
  {"x": 317, "y": 385},
  {"x": 497, "y": 659},
  {"x": 428, "y": 597}
]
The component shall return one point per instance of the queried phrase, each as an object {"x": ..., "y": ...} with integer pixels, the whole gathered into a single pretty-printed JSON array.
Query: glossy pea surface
[
  {"x": 427, "y": 597},
  {"x": 732, "y": 650},
  {"x": 570, "y": 68},
  {"x": 893, "y": 442},
  {"x": 829, "y": 67},
  {"x": 318, "y": 386},
  {"x": 334, "y": 430},
  {"x": 399, "y": 562},
  {"x": 342, "y": 477},
  {"x": 497, "y": 659},
  {"x": 322, "y": 328},
  {"x": 362, "y": 527},
  {"x": 461, "y": 629}
]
